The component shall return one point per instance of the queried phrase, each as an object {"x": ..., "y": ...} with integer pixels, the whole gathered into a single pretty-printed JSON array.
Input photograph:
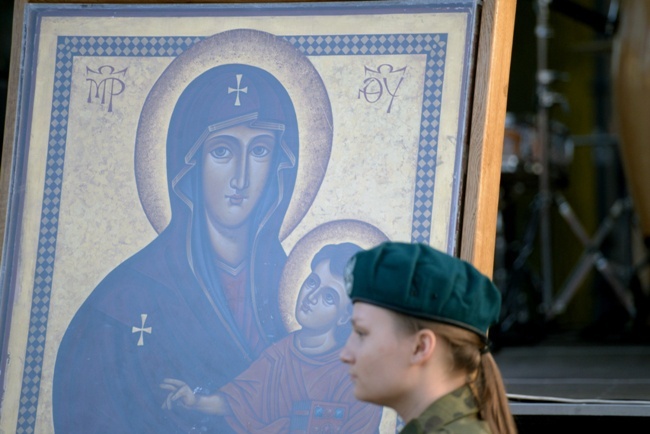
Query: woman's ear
[{"x": 425, "y": 344}]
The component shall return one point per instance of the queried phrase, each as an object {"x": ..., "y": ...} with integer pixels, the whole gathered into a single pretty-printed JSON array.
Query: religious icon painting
[{"x": 187, "y": 185}]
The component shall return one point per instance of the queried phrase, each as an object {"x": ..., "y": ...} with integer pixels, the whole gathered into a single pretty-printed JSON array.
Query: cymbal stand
[{"x": 545, "y": 99}]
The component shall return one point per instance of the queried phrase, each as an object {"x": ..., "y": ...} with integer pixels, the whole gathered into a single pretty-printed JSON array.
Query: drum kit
[
  {"x": 537, "y": 155},
  {"x": 521, "y": 147}
]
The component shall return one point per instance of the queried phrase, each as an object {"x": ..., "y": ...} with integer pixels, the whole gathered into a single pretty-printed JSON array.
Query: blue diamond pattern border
[{"x": 433, "y": 45}]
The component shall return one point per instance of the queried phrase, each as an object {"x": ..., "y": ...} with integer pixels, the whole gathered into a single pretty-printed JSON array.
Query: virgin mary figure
[{"x": 200, "y": 301}]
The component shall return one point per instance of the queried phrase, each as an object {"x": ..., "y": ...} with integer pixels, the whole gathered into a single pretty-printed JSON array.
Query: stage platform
[{"x": 577, "y": 379}]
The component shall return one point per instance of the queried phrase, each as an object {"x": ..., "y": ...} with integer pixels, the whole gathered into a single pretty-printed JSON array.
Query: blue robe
[{"x": 112, "y": 361}]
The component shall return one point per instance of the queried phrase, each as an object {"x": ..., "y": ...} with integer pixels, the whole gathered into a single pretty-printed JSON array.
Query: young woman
[{"x": 419, "y": 342}]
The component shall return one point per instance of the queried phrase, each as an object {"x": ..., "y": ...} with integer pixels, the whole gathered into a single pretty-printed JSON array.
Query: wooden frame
[{"x": 471, "y": 209}]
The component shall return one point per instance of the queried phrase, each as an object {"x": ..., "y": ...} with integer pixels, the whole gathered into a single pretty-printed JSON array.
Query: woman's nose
[{"x": 346, "y": 355}]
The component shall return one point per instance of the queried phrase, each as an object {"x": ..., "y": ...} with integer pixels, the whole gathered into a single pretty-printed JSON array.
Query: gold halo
[
  {"x": 250, "y": 47},
  {"x": 298, "y": 264}
]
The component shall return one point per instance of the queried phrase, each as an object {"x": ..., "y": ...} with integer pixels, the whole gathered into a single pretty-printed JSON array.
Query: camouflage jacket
[{"x": 454, "y": 413}]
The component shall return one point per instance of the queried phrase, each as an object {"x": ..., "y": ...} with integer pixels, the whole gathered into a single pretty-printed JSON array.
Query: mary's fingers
[
  {"x": 165, "y": 404},
  {"x": 168, "y": 401},
  {"x": 179, "y": 394},
  {"x": 173, "y": 381},
  {"x": 169, "y": 387}
]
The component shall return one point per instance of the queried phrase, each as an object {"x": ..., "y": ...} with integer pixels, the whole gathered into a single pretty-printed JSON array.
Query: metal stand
[
  {"x": 592, "y": 256},
  {"x": 551, "y": 305},
  {"x": 545, "y": 100}
]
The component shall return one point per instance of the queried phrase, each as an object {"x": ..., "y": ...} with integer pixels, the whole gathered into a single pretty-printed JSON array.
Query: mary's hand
[{"x": 179, "y": 394}]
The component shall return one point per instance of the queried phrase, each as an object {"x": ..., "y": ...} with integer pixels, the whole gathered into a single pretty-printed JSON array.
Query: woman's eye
[
  {"x": 220, "y": 152},
  {"x": 260, "y": 151}
]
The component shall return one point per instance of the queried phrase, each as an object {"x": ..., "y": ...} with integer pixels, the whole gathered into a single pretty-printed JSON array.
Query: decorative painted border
[{"x": 433, "y": 45}]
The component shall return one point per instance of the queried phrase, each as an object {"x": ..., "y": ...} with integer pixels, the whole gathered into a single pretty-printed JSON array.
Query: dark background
[{"x": 6, "y": 15}]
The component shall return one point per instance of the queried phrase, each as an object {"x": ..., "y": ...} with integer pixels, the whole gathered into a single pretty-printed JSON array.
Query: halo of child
[{"x": 298, "y": 263}]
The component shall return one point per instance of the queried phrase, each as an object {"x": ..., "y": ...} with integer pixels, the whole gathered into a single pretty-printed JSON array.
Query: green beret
[{"x": 417, "y": 280}]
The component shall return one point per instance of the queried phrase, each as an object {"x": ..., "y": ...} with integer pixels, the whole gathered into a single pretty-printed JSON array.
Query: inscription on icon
[
  {"x": 381, "y": 84},
  {"x": 104, "y": 84}
]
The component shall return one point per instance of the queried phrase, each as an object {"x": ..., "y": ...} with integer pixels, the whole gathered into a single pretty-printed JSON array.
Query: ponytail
[
  {"x": 484, "y": 378},
  {"x": 492, "y": 398},
  {"x": 483, "y": 375}
]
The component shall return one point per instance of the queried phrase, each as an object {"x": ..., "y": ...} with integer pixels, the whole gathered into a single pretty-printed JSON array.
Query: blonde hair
[{"x": 483, "y": 375}]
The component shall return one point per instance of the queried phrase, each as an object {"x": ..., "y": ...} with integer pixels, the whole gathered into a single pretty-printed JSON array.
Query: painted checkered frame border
[{"x": 434, "y": 46}]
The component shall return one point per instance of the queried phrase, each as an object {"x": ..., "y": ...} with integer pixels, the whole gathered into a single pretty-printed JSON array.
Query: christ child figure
[{"x": 299, "y": 384}]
